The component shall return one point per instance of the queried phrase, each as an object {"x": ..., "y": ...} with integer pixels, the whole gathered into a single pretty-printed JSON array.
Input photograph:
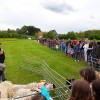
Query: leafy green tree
[
  {"x": 28, "y": 30},
  {"x": 45, "y": 35},
  {"x": 50, "y": 35},
  {"x": 36, "y": 35},
  {"x": 71, "y": 35},
  {"x": 80, "y": 35},
  {"x": 62, "y": 36},
  {"x": 87, "y": 33},
  {"x": 11, "y": 34}
]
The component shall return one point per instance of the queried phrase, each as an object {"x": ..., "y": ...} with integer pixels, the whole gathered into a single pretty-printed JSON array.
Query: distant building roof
[{"x": 41, "y": 33}]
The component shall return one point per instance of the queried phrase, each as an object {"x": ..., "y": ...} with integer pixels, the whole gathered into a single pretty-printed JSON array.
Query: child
[
  {"x": 72, "y": 52},
  {"x": 68, "y": 50}
]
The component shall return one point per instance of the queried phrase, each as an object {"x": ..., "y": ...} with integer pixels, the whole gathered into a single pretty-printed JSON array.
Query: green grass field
[{"x": 14, "y": 48}]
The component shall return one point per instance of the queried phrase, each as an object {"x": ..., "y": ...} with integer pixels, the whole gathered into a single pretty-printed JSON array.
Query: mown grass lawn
[{"x": 67, "y": 67}]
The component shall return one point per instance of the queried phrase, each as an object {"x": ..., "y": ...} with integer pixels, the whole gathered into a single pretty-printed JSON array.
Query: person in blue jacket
[{"x": 45, "y": 93}]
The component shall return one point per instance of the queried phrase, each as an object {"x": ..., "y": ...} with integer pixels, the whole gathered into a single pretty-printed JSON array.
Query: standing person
[
  {"x": 2, "y": 65},
  {"x": 89, "y": 51},
  {"x": 2, "y": 55},
  {"x": 86, "y": 46},
  {"x": 74, "y": 42},
  {"x": 96, "y": 50},
  {"x": 69, "y": 50},
  {"x": 72, "y": 52},
  {"x": 82, "y": 49},
  {"x": 94, "y": 41},
  {"x": 81, "y": 91},
  {"x": 63, "y": 46},
  {"x": 66, "y": 45},
  {"x": 77, "y": 52}
]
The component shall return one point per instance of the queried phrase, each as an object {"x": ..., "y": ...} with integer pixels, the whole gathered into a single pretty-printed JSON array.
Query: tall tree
[{"x": 28, "y": 30}]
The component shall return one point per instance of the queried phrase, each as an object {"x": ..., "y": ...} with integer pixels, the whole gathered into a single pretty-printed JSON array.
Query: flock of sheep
[{"x": 10, "y": 90}]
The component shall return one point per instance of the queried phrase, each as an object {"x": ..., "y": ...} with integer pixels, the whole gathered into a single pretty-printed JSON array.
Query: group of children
[{"x": 87, "y": 88}]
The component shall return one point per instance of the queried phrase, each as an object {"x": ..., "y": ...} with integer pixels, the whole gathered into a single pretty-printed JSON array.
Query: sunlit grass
[{"x": 14, "y": 50}]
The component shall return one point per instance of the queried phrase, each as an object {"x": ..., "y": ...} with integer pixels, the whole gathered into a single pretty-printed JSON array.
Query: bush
[{"x": 5, "y": 34}]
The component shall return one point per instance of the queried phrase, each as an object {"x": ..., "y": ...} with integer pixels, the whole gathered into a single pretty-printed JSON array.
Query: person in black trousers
[{"x": 2, "y": 65}]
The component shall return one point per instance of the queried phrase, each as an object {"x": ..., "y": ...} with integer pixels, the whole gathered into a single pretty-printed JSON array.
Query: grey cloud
[{"x": 59, "y": 8}]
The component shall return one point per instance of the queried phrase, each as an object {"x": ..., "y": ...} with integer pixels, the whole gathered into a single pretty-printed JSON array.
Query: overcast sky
[{"x": 61, "y": 15}]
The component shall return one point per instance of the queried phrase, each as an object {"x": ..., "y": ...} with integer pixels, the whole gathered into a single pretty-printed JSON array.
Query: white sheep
[
  {"x": 4, "y": 86},
  {"x": 24, "y": 92},
  {"x": 9, "y": 90},
  {"x": 12, "y": 91}
]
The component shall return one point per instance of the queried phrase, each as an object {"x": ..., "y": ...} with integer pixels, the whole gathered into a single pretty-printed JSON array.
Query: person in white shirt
[{"x": 86, "y": 46}]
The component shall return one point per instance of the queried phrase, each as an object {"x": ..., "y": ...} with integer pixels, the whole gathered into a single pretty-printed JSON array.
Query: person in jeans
[{"x": 77, "y": 52}]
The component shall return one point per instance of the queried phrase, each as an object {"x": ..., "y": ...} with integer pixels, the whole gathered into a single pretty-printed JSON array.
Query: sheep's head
[{"x": 49, "y": 86}]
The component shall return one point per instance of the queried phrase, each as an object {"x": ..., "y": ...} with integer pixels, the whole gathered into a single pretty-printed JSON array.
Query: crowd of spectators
[
  {"x": 87, "y": 88},
  {"x": 86, "y": 50}
]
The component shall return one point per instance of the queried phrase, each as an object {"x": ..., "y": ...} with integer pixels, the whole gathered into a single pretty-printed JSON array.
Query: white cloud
[{"x": 62, "y": 15}]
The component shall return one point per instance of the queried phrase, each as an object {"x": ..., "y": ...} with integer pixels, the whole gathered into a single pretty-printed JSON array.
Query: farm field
[{"x": 15, "y": 48}]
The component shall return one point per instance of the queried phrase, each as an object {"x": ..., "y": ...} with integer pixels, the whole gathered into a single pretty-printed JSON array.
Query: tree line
[
  {"x": 27, "y": 31},
  {"x": 23, "y": 32},
  {"x": 90, "y": 34}
]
